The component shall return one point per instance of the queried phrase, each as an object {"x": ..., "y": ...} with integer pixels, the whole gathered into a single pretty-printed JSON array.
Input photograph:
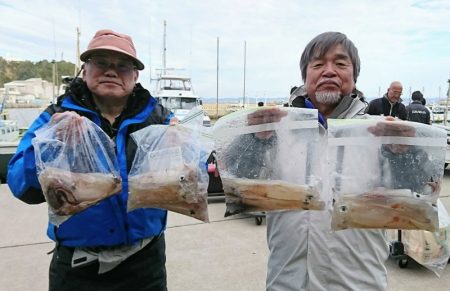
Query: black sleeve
[
  {"x": 246, "y": 156},
  {"x": 402, "y": 112},
  {"x": 371, "y": 108},
  {"x": 415, "y": 176}
]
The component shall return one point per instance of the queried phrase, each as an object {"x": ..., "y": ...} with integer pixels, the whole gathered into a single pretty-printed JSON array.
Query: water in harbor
[{"x": 24, "y": 116}]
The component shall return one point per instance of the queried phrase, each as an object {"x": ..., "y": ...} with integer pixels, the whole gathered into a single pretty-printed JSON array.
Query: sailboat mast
[
  {"x": 245, "y": 60},
  {"x": 164, "y": 49}
]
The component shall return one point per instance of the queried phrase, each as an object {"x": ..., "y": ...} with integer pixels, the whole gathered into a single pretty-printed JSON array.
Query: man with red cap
[{"x": 104, "y": 247}]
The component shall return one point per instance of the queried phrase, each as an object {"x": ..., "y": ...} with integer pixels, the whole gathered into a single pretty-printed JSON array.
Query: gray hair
[{"x": 322, "y": 43}]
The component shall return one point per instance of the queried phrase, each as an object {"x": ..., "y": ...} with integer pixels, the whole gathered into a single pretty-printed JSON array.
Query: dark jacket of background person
[
  {"x": 382, "y": 106},
  {"x": 108, "y": 223},
  {"x": 416, "y": 111}
]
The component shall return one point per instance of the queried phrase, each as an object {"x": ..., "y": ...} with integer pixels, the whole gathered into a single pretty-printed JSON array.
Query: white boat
[
  {"x": 9, "y": 140},
  {"x": 176, "y": 93}
]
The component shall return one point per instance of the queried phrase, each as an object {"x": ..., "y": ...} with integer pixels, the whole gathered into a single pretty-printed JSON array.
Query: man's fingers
[{"x": 266, "y": 116}]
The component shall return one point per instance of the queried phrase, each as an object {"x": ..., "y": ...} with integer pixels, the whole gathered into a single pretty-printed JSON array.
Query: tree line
[{"x": 23, "y": 70}]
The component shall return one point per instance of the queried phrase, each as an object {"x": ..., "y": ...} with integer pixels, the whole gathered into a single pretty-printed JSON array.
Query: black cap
[{"x": 417, "y": 96}]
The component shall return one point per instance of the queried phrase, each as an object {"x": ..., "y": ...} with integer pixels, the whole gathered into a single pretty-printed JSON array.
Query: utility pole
[
  {"x": 446, "y": 103},
  {"x": 53, "y": 80},
  {"x": 77, "y": 56},
  {"x": 245, "y": 60},
  {"x": 217, "y": 82}
]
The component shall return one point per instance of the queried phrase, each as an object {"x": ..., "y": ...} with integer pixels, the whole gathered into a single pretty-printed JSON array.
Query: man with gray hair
[
  {"x": 304, "y": 253},
  {"x": 390, "y": 104}
]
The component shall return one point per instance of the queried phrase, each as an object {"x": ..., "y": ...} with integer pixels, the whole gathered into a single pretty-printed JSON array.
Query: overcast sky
[{"x": 401, "y": 40}]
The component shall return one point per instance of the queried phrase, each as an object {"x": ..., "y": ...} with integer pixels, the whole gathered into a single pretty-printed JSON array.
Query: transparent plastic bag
[
  {"x": 430, "y": 249},
  {"x": 270, "y": 159},
  {"x": 169, "y": 169},
  {"x": 76, "y": 165},
  {"x": 385, "y": 174}
]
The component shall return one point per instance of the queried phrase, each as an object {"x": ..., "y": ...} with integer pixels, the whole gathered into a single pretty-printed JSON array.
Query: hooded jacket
[
  {"x": 107, "y": 223},
  {"x": 417, "y": 112}
]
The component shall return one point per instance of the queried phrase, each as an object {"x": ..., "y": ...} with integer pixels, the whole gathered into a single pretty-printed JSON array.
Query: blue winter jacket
[{"x": 107, "y": 223}]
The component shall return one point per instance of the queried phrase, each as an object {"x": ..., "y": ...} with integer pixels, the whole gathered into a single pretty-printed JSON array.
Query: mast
[
  {"x": 245, "y": 60},
  {"x": 77, "y": 56},
  {"x": 164, "y": 49}
]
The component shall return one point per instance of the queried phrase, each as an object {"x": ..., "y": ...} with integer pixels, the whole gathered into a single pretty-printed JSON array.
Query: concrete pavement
[{"x": 225, "y": 254}]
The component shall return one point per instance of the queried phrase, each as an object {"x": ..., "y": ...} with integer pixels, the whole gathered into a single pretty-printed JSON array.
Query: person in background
[
  {"x": 304, "y": 253},
  {"x": 104, "y": 247},
  {"x": 390, "y": 104},
  {"x": 260, "y": 104},
  {"x": 416, "y": 111}
]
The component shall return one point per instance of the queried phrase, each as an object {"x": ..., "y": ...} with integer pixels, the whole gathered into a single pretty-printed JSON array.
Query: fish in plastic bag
[
  {"x": 76, "y": 165},
  {"x": 388, "y": 209},
  {"x": 385, "y": 174},
  {"x": 259, "y": 169},
  {"x": 251, "y": 195},
  {"x": 169, "y": 170},
  {"x": 68, "y": 193}
]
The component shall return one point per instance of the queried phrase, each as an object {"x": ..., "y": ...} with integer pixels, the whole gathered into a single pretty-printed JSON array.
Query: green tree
[{"x": 13, "y": 70}]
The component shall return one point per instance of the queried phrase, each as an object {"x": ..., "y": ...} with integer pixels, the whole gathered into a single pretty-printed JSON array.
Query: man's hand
[
  {"x": 68, "y": 128},
  {"x": 174, "y": 120},
  {"x": 262, "y": 116},
  {"x": 393, "y": 129}
]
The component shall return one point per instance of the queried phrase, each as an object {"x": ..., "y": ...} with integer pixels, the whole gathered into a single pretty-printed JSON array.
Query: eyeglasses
[{"x": 121, "y": 66}]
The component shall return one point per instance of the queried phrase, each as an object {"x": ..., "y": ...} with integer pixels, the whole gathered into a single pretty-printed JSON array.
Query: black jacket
[
  {"x": 418, "y": 113},
  {"x": 382, "y": 106}
]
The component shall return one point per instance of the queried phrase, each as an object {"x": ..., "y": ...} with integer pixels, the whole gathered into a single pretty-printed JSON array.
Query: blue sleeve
[
  {"x": 169, "y": 117},
  {"x": 22, "y": 177}
]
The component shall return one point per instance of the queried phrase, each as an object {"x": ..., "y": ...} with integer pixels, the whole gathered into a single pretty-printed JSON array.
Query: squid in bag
[
  {"x": 169, "y": 170},
  {"x": 269, "y": 159},
  {"x": 385, "y": 174},
  {"x": 76, "y": 165}
]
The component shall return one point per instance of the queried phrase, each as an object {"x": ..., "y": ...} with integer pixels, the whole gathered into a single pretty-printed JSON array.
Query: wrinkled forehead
[{"x": 337, "y": 50}]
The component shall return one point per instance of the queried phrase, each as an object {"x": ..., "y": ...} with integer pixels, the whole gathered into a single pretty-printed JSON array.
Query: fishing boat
[
  {"x": 9, "y": 139},
  {"x": 176, "y": 93}
]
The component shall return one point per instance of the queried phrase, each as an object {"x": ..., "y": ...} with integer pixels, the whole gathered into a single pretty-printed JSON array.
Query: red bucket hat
[{"x": 109, "y": 40}]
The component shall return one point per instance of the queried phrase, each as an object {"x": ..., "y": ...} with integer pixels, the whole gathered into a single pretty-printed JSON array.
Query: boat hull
[{"x": 7, "y": 150}]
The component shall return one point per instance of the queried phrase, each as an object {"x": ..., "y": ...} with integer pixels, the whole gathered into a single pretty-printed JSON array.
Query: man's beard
[{"x": 328, "y": 97}]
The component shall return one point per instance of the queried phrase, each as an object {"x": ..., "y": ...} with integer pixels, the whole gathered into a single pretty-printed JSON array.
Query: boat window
[
  {"x": 188, "y": 103},
  {"x": 178, "y": 102}
]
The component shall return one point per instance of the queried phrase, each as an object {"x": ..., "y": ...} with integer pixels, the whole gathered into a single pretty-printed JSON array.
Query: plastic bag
[
  {"x": 385, "y": 174},
  {"x": 76, "y": 165},
  {"x": 270, "y": 159},
  {"x": 430, "y": 249},
  {"x": 169, "y": 169}
]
